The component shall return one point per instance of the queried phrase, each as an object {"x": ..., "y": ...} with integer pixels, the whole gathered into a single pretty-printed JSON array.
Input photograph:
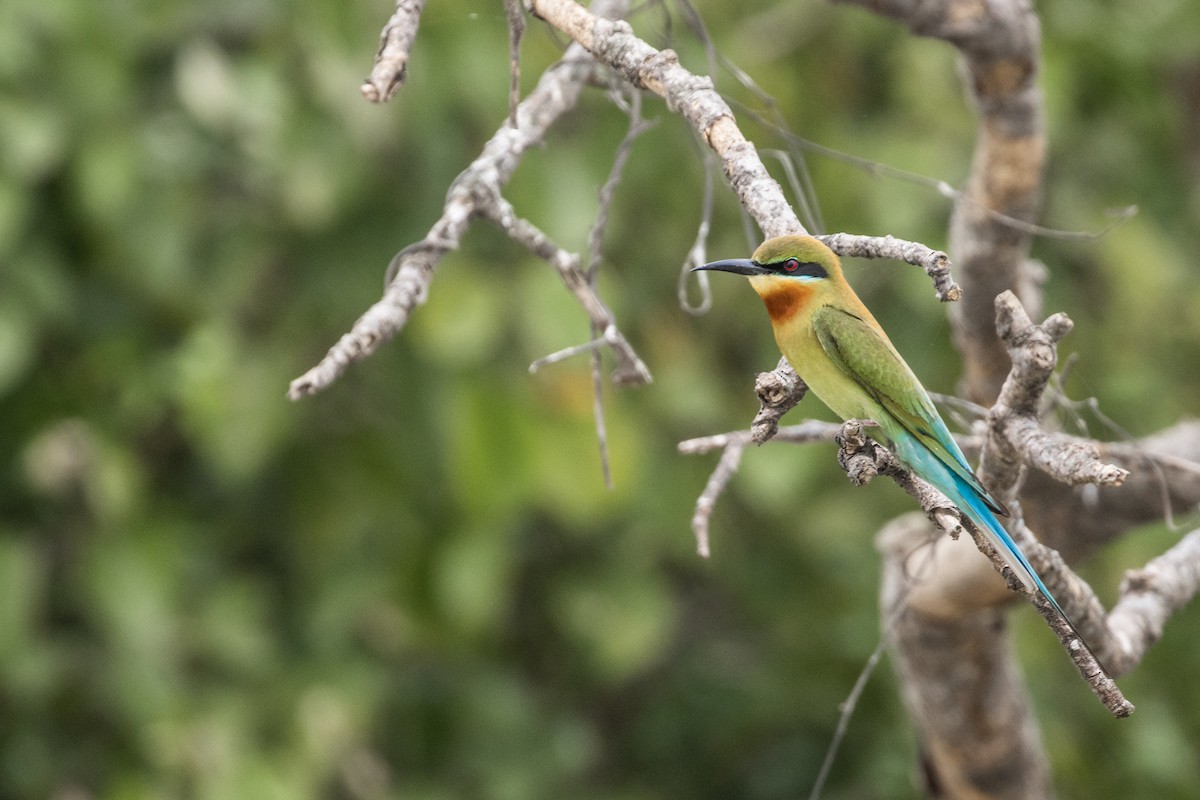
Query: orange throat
[{"x": 785, "y": 299}]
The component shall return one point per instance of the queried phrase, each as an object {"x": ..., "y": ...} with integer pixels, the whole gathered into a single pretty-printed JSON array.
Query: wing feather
[{"x": 865, "y": 355}]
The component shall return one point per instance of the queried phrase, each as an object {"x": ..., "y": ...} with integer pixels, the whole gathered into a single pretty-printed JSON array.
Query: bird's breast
[{"x": 824, "y": 377}]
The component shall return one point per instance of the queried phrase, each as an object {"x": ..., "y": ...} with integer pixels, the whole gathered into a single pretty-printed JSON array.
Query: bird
[{"x": 841, "y": 352}]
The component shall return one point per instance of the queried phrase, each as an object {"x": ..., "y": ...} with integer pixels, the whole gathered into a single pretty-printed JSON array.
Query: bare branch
[
  {"x": 1149, "y": 597},
  {"x": 772, "y": 122},
  {"x": 696, "y": 254},
  {"x": 1067, "y": 459},
  {"x": 630, "y": 368},
  {"x": 391, "y": 61},
  {"x": 1163, "y": 480},
  {"x": 479, "y": 184},
  {"x": 690, "y": 95},
  {"x": 637, "y": 126},
  {"x": 800, "y": 182},
  {"x": 516, "y": 31},
  {"x": 407, "y": 289},
  {"x": 811, "y": 431},
  {"x": 778, "y": 392},
  {"x": 935, "y": 263},
  {"x": 707, "y": 501},
  {"x": 733, "y": 445},
  {"x": 1015, "y": 436},
  {"x": 847, "y": 708},
  {"x": 598, "y": 413},
  {"x": 590, "y": 346}
]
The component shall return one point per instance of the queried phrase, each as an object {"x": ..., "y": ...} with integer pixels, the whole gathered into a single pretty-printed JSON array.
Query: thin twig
[
  {"x": 516, "y": 31},
  {"x": 733, "y": 445},
  {"x": 697, "y": 254},
  {"x": 630, "y": 368},
  {"x": 800, "y": 182},
  {"x": 598, "y": 408},
  {"x": 812, "y": 431},
  {"x": 777, "y": 125},
  {"x": 731, "y": 457},
  {"x": 850, "y": 704},
  {"x": 637, "y": 126},
  {"x": 391, "y": 60},
  {"x": 1129, "y": 448},
  {"x": 590, "y": 346}
]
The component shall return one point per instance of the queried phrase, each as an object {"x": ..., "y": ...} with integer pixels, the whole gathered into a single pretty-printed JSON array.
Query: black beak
[{"x": 738, "y": 266}]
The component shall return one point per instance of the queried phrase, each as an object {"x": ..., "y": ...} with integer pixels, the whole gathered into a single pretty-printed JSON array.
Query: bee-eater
[{"x": 838, "y": 348}]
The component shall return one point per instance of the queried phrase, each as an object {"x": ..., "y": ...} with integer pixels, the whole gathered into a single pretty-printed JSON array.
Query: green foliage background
[{"x": 415, "y": 584}]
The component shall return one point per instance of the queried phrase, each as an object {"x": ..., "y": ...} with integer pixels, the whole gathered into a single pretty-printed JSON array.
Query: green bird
[{"x": 838, "y": 348}]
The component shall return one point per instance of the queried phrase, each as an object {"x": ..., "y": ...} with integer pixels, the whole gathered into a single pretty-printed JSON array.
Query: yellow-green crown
[{"x": 805, "y": 249}]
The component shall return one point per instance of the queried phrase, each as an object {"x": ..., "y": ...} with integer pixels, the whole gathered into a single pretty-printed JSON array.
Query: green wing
[{"x": 865, "y": 355}]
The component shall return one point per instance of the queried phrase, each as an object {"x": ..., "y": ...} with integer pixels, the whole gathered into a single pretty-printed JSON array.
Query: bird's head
[{"x": 786, "y": 271}]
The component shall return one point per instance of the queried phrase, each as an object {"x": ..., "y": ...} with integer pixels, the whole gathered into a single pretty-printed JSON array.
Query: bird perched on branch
[{"x": 838, "y": 349}]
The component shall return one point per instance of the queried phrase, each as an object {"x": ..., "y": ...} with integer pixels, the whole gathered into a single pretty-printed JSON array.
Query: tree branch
[
  {"x": 479, "y": 184},
  {"x": 692, "y": 96},
  {"x": 391, "y": 60},
  {"x": 630, "y": 368},
  {"x": 516, "y": 30},
  {"x": 732, "y": 445},
  {"x": 778, "y": 392},
  {"x": 863, "y": 460},
  {"x": 1164, "y": 476},
  {"x": 1015, "y": 435},
  {"x": 1149, "y": 597},
  {"x": 935, "y": 263}
]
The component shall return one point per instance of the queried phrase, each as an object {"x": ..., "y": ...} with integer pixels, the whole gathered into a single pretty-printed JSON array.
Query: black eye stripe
[{"x": 795, "y": 267}]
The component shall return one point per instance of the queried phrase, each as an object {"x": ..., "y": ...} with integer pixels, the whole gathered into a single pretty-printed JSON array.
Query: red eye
[{"x": 791, "y": 265}]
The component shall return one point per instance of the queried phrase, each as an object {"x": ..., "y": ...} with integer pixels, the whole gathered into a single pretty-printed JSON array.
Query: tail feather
[
  {"x": 973, "y": 500},
  {"x": 974, "y": 507},
  {"x": 977, "y": 508}
]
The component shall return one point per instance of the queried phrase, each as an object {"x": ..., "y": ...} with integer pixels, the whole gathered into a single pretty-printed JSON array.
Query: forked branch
[{"x": 475, "y": 192}]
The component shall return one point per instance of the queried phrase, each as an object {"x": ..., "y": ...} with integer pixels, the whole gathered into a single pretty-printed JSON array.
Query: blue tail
[
  {"x": 973, "y": 506},
  {"x": 969, "y": 502},
  {"x": 922, "y": 441}
]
